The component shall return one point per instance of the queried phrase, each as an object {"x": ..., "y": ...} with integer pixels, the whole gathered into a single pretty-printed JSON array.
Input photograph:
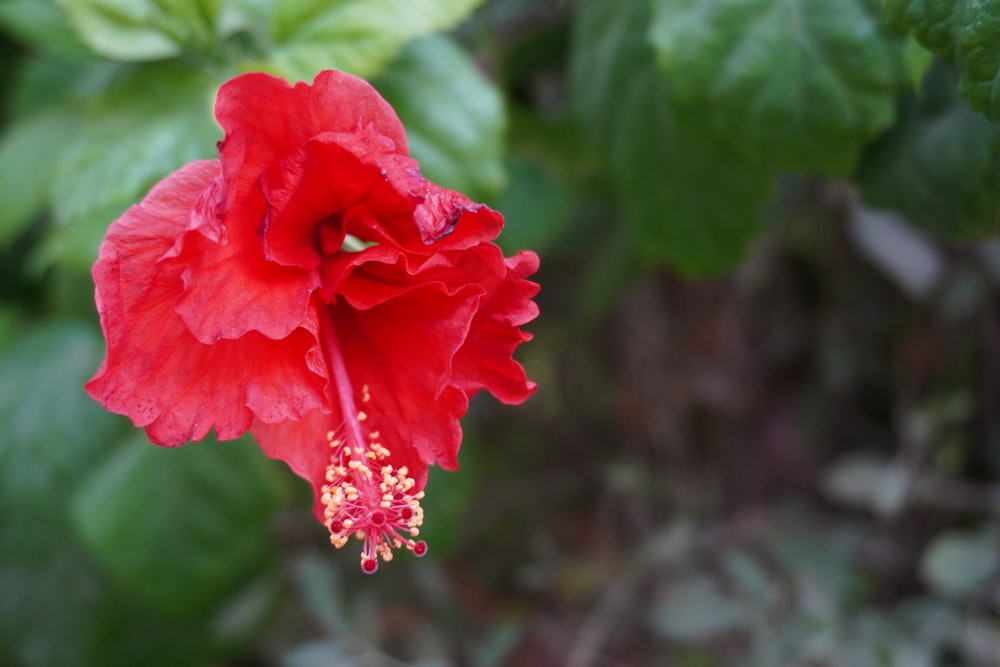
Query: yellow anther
[{"x": 362, "y": 416}]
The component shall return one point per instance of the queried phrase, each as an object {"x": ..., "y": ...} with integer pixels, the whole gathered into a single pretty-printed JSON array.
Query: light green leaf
[
  {"x": 938, "y": 166},
  {"x": 41, "y": 25},
  {"x": 963, "y": 32},
  {"x": 180, "y": 528},
  {"x": 137, "y": 30},
  {"x": 454, "y": 117},
  {"x": 958, "y": 562},
  {"x": 688, "y": 203},
  {"x": 918, "y": 61},
  {"x": 146, "y": 126},
  {"x": 357, "y": 36},
  {"x": 800, "y": 84},
  {"x": 30, "y": 149}
]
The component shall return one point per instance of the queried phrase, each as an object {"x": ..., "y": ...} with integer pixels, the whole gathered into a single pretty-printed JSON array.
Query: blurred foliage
[{"x": 769, "y": 358}]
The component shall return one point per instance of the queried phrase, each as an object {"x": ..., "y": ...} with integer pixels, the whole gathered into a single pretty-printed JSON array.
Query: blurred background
[{"x": 766, "y": 431}]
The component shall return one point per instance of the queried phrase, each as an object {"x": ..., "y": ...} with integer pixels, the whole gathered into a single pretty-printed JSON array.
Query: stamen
[{"x": 378, "y": 508}]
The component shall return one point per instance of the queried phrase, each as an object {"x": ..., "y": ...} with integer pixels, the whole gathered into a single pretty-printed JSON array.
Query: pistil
[{"x": 364, "y": 494}]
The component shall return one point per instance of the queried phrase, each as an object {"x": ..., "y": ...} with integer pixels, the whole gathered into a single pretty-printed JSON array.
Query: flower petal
[
  {"x": 403, "y": 349},
  {"x": 311, "y": 190},
  {"x": 265, "y": 119},
  {"x": 156, "y": 372},
  {"x": 485, "y": 360}
]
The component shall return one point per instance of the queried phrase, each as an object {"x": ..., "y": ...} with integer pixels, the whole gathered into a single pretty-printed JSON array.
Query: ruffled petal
[
  {"x": 231, "y": 289},
  {"x": 265, "y": 119},
  {"x": 156, "y": 372},
  {"x": 485, "y": 360},
  {"x": 310, "y": 192},
  {"x": 402, "y": 350}
]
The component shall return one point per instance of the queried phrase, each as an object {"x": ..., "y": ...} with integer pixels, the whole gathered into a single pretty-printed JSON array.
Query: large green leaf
[
  {"x": 963, "y": 32},
  {"x": 42, "y": 25},
  {"x": 180, "y": 528},
  {"x": 938, "y": 165},
  {"x": 357, "y": 36},
  {"x": 802, "y": 84},
  {"x": 30, "y": 149},
  {"x": 454, "y": 117},
  {"x": 52, "y": 432},
  {"x": 150, "y": 123},
  {"x": 688, "y": 203},
  {"x": 143, "y": 29}
]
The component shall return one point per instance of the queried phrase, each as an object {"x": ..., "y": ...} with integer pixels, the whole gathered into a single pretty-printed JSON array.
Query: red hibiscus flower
[{"x": 312, "y": 287}]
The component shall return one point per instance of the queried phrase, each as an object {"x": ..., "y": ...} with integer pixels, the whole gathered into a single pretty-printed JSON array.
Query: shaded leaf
[
  {"x": 180, "y": 528},
  {"x": 454, "y": 117},
  {"x": 52, "y": 432},
  {"x": 538, "y": 208},
  {"x": 688, "y": 204},
  {"x": 357, "y": 36},
  {"x": 800, "y": 84},
  {"x": 963, "y": 32},
  {"x": 938, "y": 166}
]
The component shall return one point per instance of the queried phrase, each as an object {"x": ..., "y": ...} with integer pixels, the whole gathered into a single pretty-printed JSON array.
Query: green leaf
[
  {"x": 136, "y": 30},
  {"x": 688, "y": 203},
  {"x": 918, "y": 61},
  {"x": 454, "y": 117},
  {"x": 938, "y": 166},
  {"x": 41, "y": 25},
  {"x": 30, "y": 149},
  {"x": 959, "y": 562},
  {"x": 56, "y": 607},
  {"x": 800, "y": 84},
  {"x": 180, "y": 528},
  {"x": 145, "y": 126},
  {"x": 52, "y": 432},
  {"x": 538, "y": 208},
  {"x": 963, "y": 32},
  {"x": 357, "y": 36}
]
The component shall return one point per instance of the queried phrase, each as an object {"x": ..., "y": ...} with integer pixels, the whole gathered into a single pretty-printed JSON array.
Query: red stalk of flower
[{"x": 312, "y": 287}]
